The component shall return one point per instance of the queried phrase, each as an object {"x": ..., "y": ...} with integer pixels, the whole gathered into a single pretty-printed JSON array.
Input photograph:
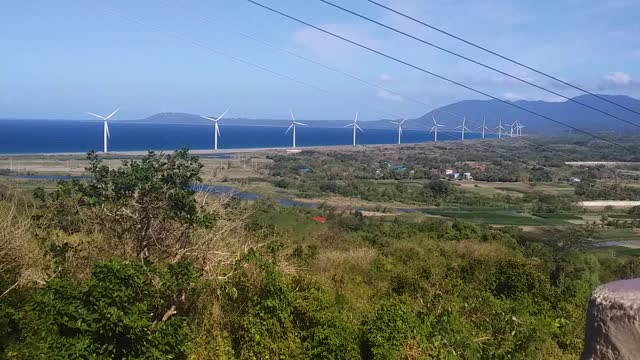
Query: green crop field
[
  {"x": 560, "y": 216},
  {"x": 495, "y": 217}
]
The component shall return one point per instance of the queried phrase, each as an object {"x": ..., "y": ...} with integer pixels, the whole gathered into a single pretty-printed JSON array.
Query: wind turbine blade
[
  {"x": 106, "y": 126},
  {"x": 393, "y": 122},
  {"x": 289, "y": 128},
  {"x": 223, "y": 114},
  {"x": 299, "y": 123},
  {"x": 113, "y": 113},
  {"x": 349, "y": 125},
  {"x": 434, "y": 120},
  {"x": 433, "y": 128},
  {"x": 208, "y": 118},
  {"x": 292, "y": 116},
  {"x": 356, "y": 120},
  {"x": 96, "y": 115},
  {"x": 218, "y": 130},
  {"x": 358, "y": 127}
]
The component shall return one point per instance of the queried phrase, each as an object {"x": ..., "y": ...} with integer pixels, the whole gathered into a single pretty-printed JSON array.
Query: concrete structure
[{"x": 613, "y": 322}]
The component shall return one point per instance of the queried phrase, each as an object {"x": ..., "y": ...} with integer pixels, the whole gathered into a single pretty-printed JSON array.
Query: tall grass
[{"x": 22, "y": 261}]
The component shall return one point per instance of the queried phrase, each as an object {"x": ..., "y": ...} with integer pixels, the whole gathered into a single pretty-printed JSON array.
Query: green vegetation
[
  {"x": 132, "y": 263},
  {"x": 499, "y": 217}
]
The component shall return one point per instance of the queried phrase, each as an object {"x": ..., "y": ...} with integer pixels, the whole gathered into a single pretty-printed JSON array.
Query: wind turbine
[
  {"x": 105, "y": 119},
  {"x": 484, "y": 126},
  {"x": 500, "y": 128},
  {"x": 399, "y": 129},
  {"x": 512, "y": 125},
  {"x": 293, "y": 126},
  {"x": 355, "y": 126},
  {"x": 463, "y": 127},
  {"x": 216, "y": 129},
  {"x": 434, "y": 129},
  {"x": 519, "y": 128}
]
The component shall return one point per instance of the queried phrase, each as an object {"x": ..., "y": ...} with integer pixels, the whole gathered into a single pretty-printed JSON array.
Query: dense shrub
[{"x": 123, "y": 311}]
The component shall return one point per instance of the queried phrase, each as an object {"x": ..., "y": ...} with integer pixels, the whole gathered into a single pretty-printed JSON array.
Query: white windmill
[
  {"x": 484, "y": 126},
  {"x": 216, "y": 129},
  {"x": 512, "y": 126},
  {"x": 519, "y": 128},
  {"x": 463, "y": 127},
  {"x": 355, "y": 126},
  {"x": 293, "y": 125},
  {"x": 106, "y": 134},
  {"x": 434, "y": 129},
  {"x": 500, "y": 128},
  {"x": 399, "y": 129}
]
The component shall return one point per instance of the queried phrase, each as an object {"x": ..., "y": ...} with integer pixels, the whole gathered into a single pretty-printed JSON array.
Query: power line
[
  {"x": 240, "y": 60},
  {"x": 435, "y": 74},
  {"x": 211, "y": 19},
  {"x": 140, "y": 22},
  {"x": 504, "y": 57},
  {"x": 476, "y": 62}
]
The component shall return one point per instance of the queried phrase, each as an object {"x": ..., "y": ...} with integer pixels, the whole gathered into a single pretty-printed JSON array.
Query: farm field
[{"x": 496, "y": 217}]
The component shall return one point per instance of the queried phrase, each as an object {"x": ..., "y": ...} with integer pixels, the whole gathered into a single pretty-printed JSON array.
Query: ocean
[{"x": 70, "y": 136}]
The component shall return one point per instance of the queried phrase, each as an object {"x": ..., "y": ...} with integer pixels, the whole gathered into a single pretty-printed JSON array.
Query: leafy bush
[
  {"x": 150, "y": 202},
  {"x": 124, "y": 311}
]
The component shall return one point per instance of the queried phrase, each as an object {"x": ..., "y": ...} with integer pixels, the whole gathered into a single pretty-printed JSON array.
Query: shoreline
[{"x": 236, "y": 150}]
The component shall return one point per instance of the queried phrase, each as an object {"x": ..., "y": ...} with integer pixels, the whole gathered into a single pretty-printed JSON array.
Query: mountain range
[{"x": 568, "y": 112}]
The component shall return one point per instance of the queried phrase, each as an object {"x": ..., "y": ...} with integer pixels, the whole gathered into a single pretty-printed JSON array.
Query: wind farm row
[{"x": 514, "y": 129}]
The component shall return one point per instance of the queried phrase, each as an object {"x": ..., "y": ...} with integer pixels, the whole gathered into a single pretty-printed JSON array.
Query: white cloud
[
  {"x": 385, "y": 77},
  {"x": 513, "y": 96},
  {"x": 330, "y": 48},
  {"x": 383, "y": 94},
  {"x": 619, "y": 78}
]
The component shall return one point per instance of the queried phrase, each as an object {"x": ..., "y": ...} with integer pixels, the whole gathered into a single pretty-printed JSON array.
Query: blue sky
[{"x": 63, "y": 58}]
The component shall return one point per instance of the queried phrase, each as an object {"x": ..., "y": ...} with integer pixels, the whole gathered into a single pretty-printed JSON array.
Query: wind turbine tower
[
  {"x": 399, "y": 129},
  {"x": 355, "y": 126},
  {"x": 293, "y": 125},
  {"x": 500, "y": 128},
  {"x": 512, "y": 125},
  {"x": 216, "y": 129},
  {"x": 434, "y": 129},
  {"x": 105, "y": 135},
  {"x": 484, "y": 126},
  {"x": 463, "y": 127},
  {"x": 519, "y": 128}
]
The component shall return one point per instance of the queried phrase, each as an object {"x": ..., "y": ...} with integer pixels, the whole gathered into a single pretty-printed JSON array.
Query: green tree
[
  {"x": 125, "y": 311},
  {"x": 439, "y": 188},
  {"x": 149, "y": 201}
]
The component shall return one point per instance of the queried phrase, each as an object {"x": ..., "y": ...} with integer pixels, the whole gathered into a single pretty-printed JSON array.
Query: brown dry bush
[{"x": 21, "y": 257}]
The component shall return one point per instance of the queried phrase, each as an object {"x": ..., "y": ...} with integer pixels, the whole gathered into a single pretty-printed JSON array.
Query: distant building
[
  {"x": 320, "y": 219},
  {"x": 449, "y": 172},
  {"x": 453, "y": 176},
  {"x": 459, "y": 176},
  {"x": 574, "y": 180}
]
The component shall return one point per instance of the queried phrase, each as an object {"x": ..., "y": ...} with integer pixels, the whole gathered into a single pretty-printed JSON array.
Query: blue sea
[{"x": 65, "y": 136}]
